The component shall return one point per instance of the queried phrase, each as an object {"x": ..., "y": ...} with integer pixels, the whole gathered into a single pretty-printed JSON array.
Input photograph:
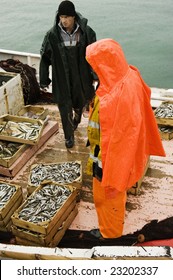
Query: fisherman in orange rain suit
[{"x": 122, "y": 133}]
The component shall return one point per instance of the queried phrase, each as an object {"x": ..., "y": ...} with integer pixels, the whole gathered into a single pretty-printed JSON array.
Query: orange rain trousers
[{"x": 110, "y": 211}]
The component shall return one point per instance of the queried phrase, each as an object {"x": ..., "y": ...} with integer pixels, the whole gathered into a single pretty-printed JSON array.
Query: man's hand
[{"x": 44, "y": 88}]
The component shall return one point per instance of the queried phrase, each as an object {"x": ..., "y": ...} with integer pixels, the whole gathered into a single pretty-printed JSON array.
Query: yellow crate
[
  {"x": 166, "y": 135},
  {"x": 17, "y": 119},
  {"x": 164, "y": 121},
  {"x": 8, "y": 161},
  {"x": 42, "y": 238},
  {"x": 35, "y": 112},
  {"x": 10, "y": 205},
  {"x": 15, "y": 206},
  {"x": 24, "y": 237},
  {"x": 46, "y": 226},
  {"x": 59, "y": 235},
  {"x": 25, "y": 242},
  {"x": 76, "y": 183},
  {"x": 6, "y": 228}
]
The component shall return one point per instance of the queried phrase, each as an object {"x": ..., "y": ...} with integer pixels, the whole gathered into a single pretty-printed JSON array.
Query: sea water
[{"x": 143, "y": 28}]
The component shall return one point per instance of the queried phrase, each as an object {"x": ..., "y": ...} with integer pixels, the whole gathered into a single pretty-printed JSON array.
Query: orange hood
[{"x": 129, "y": 132}]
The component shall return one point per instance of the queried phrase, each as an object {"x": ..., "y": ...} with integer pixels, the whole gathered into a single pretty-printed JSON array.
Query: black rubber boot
[
  {"x": 96, "y": 233},
  {"x": 69, "y": 142}
]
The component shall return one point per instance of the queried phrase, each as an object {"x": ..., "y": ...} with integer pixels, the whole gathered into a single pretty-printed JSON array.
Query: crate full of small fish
[
  {"x": 34, "y": 112},
  {"x": 164, "y": 113},
  {"x": 46, "y": 212},
  {"x": 166, "y": 132},
  {"x": 20, "y": 129},
  {"x": 10, "y": 151},
  {"x": 69, "y": 172},
  {"x": 10, "y": 199}
]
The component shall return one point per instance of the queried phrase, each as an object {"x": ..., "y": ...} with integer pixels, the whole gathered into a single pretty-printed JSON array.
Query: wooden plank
[
  {"x": 6, "y": 228},
  {"x": 49, "y": 130},
  {"x": 13, "y": 209},
  {"x": 57, "y": 238},
  {"x": 25, "y": 242},
  {"x": 18, "y": 252}
]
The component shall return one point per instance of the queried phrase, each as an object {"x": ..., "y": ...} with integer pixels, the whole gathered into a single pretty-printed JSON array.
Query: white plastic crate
[{"x": 11, "y": 93}]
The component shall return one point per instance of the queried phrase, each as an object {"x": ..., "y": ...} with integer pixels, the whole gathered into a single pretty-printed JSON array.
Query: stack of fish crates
[
  {"x": 45, "y": 215},
  {"x": 69, "y": 172},
  {"x": 164, "y": 118},
  {"x": 10, "y": 199}
]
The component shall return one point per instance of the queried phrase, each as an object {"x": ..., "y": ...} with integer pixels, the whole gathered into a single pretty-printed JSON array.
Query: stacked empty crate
[
  {"x": 164, "y": 118},
  {"x": 51, "y": 206}
]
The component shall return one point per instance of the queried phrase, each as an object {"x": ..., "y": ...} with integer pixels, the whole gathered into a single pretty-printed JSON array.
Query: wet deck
[{"x": 154, "y": 200}]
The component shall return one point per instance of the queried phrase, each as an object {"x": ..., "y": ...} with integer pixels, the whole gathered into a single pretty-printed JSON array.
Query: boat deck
[{"x": 154, "y": 200}]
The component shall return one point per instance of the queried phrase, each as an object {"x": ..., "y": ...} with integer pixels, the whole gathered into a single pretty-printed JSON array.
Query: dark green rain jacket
[{"x": 53, "y": 53}]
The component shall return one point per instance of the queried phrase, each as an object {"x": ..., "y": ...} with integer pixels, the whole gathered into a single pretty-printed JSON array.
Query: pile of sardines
[
  {"x": 31, "y": 115},
  {"x": 8, "y": 149},
  {"x": 165, "y": 110},
  {"x": 22, "y": 130},
  {"x": 43, "y": 204},
  {"x": 66, "y": 172},
  {"x": 166, "y": 129},
  {"x": 6, "y": 192}
]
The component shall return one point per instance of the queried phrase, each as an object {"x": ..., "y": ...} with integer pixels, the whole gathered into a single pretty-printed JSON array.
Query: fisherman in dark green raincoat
[{"x": 64, "y": 48}]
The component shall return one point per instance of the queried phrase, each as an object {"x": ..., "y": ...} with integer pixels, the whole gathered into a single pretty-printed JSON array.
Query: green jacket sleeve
[
  {"x": 91, "y": 38},
  {"x": 45, "y": 62}
]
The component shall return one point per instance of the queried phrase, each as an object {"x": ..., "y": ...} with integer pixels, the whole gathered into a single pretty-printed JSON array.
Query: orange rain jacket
[{"x": 129, "y": 132}]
